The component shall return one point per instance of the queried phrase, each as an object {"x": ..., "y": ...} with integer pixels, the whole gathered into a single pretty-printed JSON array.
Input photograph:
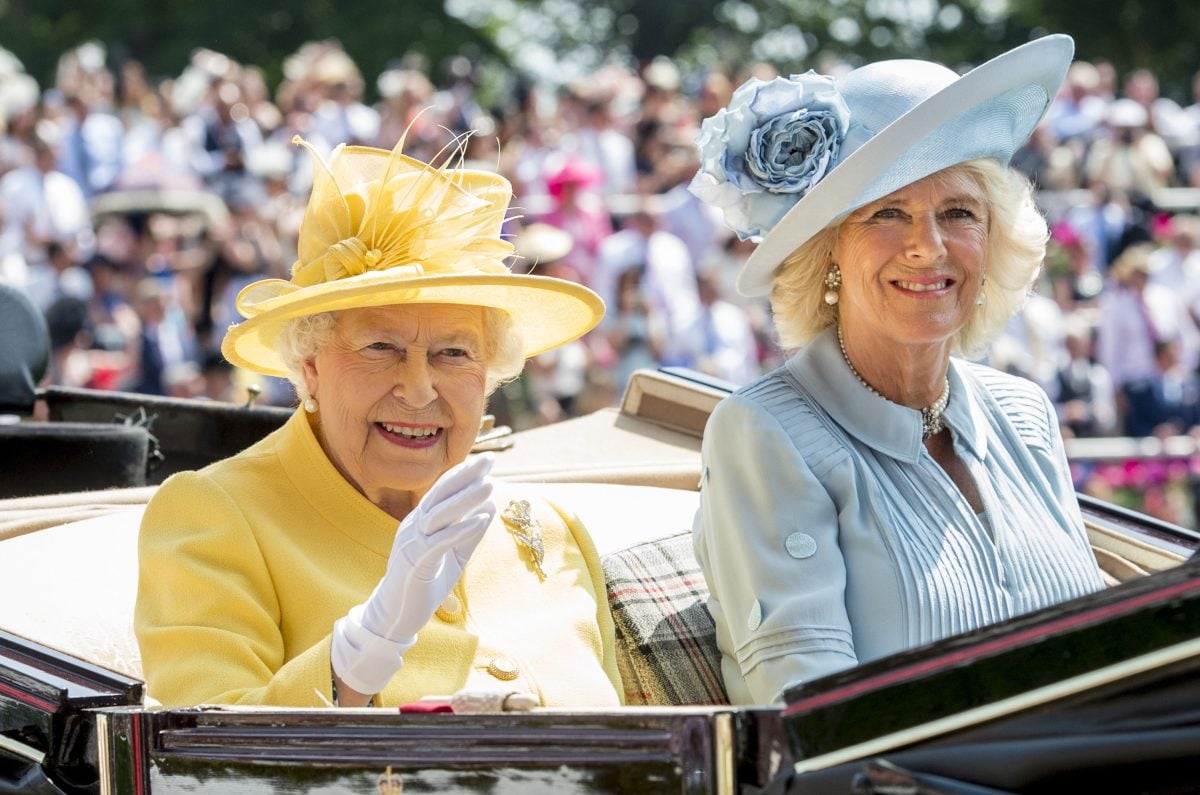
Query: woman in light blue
[{"x": 879, "y": 491}]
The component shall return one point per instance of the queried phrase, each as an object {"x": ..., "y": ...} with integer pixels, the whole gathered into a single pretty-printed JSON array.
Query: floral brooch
[{"x": 518, "y": 518}]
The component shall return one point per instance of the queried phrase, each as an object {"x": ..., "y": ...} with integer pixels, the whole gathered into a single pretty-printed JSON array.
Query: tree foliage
[
  {"x": 163, "y": 34},
  {"x": 557, "y": 40},
  {"x": 1160, "y": 35}
]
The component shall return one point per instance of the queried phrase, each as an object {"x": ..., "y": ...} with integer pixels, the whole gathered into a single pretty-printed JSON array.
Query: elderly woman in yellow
[{"x": 357, "y": 554}]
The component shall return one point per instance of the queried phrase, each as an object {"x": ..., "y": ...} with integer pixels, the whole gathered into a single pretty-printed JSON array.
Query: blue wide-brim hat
[{"x": 909, "y": 119}]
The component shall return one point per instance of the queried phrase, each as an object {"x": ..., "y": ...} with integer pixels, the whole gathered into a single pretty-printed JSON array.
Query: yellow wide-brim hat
[{"x": 381, "y": 229}]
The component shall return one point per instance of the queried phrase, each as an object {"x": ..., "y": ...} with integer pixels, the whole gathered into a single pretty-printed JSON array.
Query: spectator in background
[
  {"x": 1102, "y": 222},
  {"x": 1135, "y": 317},
  {"x": 662, "y": 101},
  {"x": 1031, "y": 344},
  {"x": 636, "y": 334},
  {"x": 1164, "y": 116},
  {"x": 340, "y": 114},
  {"x": 1077, "y": 113},
  {"x": 115, "y": 327},
  {"x": 668, "y": 284},
  {"x": 727, "y": 348},
  {"x": 93, "y": 138},
  {"x": 1075, "y": 280},
  {"x": 405, "y": 93},
  {"x": 553, "y": 381},
  {"x": 1130, "y": 156},
  {"x": 1173, "y": 398},
  {"x": 246, "y": 249},
  {"x": 164, "y": 342},
  {"x": 1173, "y": 259},
  {"x": 157, "y": 151},
  {"x": 42, "y": 205},
  {"x": 1189, "y": 149},
  {"x": 722, "y": 265},
  {"x": 457, "y": 98},
  {"x": 218, "y": 378},
  {"x": 1048, "y": 164},
  {"x": 70, "y": 342},
  {"x": 1177, "y": 258},
  {"x": 602, "y": 145},
  {"x": 1106, "y": 87},
  {"x": 579, "y": 210},
  {"x": 1085, "y": 402},
  {"x": 223, "y": 137},
  {"x": 281, "y": 209},
  {"x": 527, "y": 151},
  {"x": 716, "y": 89}
]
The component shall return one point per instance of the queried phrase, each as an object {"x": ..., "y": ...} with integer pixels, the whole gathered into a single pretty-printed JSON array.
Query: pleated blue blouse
[{"x": 829, "y": 536}]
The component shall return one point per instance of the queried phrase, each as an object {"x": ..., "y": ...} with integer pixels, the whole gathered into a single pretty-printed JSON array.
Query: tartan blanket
[{"x": 666, "y": 641}]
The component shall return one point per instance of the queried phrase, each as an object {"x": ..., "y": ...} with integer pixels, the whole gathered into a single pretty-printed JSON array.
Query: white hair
[{"x": 302, "y": 337}]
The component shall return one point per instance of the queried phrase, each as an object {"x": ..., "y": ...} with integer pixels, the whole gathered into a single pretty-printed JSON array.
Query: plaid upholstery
[{"x": 666, "y": 642}]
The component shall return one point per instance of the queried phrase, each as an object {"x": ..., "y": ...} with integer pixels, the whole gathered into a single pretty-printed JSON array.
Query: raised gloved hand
[{"x": 432, "y": 545}]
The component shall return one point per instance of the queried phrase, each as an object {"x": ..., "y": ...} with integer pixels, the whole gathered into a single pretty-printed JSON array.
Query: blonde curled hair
[{"x": 1017, "y": 236}]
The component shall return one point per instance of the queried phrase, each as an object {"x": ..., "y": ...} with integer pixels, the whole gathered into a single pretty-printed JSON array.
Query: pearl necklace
[{"x": 931, "y": 415}]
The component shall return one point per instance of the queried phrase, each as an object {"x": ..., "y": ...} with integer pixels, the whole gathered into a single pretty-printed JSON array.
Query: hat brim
[
  {"x": 987, "y": 113},
  {"x": 547, "y": 312}
]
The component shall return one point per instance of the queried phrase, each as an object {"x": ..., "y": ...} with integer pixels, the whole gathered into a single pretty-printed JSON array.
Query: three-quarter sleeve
[
  {"x": 207, "y": 616},
  {"x": 766, "y": 535}
]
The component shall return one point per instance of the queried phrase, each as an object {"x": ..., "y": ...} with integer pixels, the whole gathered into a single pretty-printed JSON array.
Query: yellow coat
[{"x": 246, "y": 564}]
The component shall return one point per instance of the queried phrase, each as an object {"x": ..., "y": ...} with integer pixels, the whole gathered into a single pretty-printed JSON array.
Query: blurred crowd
[{"x": 134, "y": 207}]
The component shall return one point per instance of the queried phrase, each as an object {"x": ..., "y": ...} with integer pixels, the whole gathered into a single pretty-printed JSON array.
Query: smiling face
[
  {"x": 401, "y": 391},
  {"x": 912, "y": 262}
]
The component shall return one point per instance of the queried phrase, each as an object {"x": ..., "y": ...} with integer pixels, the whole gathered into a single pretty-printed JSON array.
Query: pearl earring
[
  {"x": 310, "y": 405},
  {"x": 833, "y": 281},
  {"x": 980, "y": 299}
]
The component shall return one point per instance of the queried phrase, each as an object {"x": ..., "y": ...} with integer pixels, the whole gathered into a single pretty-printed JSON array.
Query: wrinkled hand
[{"x": 432, "y": 545}]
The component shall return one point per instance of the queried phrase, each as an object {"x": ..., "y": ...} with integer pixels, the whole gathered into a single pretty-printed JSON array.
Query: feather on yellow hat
[{"x": 382, "y": 228}]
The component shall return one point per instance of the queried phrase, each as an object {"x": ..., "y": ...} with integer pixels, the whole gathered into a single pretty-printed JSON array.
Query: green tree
[
  {"x": 561, "y": 40},
  {"x": 1160, "y": 35},
  {"x": 163, "y": 34}
]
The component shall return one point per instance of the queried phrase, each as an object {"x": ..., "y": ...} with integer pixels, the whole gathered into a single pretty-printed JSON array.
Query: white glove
[{"x": 432, "y": 545}]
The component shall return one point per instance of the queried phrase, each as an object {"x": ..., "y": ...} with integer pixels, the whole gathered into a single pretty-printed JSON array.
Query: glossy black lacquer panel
[
  {"x": 683, "y": 750},
  {"x": 1121, "y": 634},
  {"x": 46, "y": 703}
]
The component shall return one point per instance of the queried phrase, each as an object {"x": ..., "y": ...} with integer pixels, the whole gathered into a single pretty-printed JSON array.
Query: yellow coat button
[
  {"x": 504, "y": 668},
  {"x": 450, "y": 610}
]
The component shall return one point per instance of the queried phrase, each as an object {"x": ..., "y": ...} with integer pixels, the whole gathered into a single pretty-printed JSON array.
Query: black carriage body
[{"x": 1099, "y": 690}]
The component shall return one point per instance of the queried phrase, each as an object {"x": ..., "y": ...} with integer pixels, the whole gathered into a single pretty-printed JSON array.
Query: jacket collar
[
  {"x": 887, "y": 427},
  {"x": 327, "y": 491}
]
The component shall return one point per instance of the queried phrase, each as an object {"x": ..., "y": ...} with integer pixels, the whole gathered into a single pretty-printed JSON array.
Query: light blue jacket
[{"x": 829, "y": 536}]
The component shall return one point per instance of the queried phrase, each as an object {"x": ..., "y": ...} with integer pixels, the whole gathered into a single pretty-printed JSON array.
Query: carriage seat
[{"x": 72, "y": 586}]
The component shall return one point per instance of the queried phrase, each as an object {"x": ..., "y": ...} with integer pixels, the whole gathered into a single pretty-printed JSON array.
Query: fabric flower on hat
[{"x": 775, "y": 141}]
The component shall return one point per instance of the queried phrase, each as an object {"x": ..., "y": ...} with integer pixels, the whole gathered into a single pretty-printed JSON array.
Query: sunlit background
[{"x": 598, "y": 102}]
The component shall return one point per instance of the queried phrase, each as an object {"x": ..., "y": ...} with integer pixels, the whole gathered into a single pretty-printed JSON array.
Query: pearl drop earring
[
  {"x": 310, "y": 405},
  {"x": 979, "y": 300},
  {"x": 833, "y": 282}
]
